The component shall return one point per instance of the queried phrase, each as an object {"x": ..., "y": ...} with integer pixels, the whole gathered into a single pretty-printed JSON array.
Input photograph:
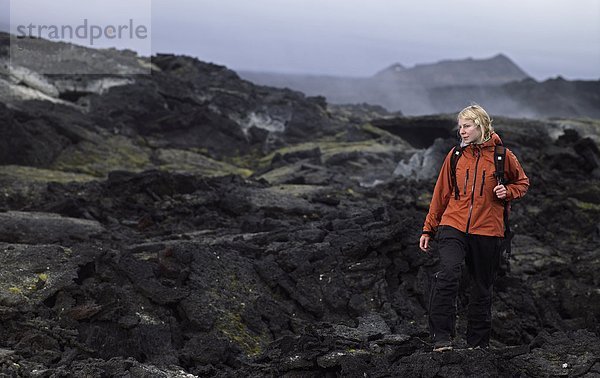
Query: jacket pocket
[
  {"x": 466, "y": 182},
  {"x": 482, "y": 183}
]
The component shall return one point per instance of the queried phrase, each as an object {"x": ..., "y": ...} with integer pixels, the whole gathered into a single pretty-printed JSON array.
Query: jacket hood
[{"x": 493, "y": 141}]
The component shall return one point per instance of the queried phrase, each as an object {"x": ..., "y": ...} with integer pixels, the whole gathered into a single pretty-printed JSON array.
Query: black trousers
[{"x": 482, "y": 257}]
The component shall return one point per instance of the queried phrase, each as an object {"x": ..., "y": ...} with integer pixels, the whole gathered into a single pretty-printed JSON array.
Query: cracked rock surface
[{"x": 189, "y": 223}]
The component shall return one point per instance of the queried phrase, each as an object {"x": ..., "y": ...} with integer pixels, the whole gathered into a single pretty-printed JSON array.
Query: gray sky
[{"x": 360, "y": 37}]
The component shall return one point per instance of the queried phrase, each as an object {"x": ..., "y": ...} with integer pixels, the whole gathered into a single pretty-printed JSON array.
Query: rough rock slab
[
  {"x": 31, "y": 274},
  {"x": 44, "y": 228}
]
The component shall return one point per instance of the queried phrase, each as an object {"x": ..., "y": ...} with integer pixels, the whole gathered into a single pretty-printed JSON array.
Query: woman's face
[{"x": 469, "y": 132}]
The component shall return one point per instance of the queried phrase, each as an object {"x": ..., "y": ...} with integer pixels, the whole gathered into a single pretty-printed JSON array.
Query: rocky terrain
[
  {"x": 445, "y": 86},
  {"x": 189, "y": 223}
]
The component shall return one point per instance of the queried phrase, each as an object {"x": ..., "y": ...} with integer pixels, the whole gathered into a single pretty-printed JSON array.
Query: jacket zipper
[
  {"x": 482, "y": 183},
  {"x": 473, "y": 192},
  {"x": 466, "y": 181}
]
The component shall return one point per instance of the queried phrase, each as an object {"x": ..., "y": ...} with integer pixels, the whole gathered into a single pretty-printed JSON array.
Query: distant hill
[
  {"x": 493, "y": 71},
  {"x": 446, "y": 86}
]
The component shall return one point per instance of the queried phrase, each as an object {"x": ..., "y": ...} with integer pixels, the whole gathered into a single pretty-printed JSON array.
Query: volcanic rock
[{"x": 189, "y": 223}]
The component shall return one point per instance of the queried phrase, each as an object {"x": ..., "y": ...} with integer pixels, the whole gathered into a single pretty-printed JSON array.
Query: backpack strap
[
  {"x": 499, "y": 158},
  {"x": 499, "y": 162},
  {"x": 456, "y": 154}
]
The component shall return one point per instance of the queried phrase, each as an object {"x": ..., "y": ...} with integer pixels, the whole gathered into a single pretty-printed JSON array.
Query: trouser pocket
[
  {"x": 432, "y": 289},
  {"x": 445, "y": 283}
]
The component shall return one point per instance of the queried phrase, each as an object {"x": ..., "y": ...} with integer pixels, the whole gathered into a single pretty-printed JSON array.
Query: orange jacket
[{"x": 477, "y": 210}]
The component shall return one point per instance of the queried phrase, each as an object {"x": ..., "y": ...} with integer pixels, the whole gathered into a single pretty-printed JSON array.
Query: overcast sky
[{"x": 545, "y": 38}]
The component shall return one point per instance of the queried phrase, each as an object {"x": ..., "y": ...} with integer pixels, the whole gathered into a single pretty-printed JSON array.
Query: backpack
[{"x": 499, "y": 162}]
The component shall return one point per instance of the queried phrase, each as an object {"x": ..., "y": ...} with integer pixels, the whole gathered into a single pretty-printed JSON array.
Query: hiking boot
[{"x": 441, "y": 346}]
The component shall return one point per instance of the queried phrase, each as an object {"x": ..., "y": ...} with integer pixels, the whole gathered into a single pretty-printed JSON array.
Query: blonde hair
[{"x": 481, "y": 119}]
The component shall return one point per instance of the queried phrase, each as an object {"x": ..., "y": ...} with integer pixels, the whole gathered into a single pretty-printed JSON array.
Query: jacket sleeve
[
  {"x": 440, "y": 198},
  {"x": 518, "y": 182}
]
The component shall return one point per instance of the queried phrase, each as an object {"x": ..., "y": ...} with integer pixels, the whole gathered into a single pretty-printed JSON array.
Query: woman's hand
[
  {"x": 500, "y": 191},
  {"x": 424, "y": 242}
]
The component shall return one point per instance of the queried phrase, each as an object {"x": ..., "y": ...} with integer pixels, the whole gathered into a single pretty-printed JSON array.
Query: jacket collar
[{"x": 492, "y": 142}]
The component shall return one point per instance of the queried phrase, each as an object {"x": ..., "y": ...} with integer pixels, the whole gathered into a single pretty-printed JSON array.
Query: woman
[{"x": 467, "y": 218}]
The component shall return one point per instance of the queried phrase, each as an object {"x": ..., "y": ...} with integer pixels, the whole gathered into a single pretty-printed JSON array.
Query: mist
[{"x": 357, "y": 39}]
